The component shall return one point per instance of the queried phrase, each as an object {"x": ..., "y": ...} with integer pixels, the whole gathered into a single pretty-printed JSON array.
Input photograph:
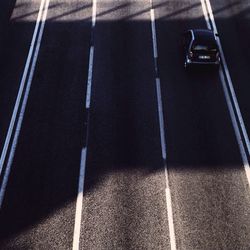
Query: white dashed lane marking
[
  {"x": 162, "y": 133},
  {"x": 79, "y": 201}
]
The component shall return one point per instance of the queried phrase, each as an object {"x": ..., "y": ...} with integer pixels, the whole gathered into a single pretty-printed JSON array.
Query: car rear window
[{"x": 204, "y": 47}]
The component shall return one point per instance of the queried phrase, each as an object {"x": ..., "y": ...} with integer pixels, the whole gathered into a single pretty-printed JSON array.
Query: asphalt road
[{"x": 125, "y": 204}]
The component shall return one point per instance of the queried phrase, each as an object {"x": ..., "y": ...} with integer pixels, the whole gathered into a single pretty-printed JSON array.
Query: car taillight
[{"x": 190, "y": 54}]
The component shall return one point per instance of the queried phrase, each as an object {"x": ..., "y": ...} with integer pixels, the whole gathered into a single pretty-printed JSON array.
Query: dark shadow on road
[{"x": 6, "y": 8}]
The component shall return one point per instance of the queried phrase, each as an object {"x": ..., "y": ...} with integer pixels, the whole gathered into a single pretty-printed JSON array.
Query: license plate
[{"x": 204, "y": 57}]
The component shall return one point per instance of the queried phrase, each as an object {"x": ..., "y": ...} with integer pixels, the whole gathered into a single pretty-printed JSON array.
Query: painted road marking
[
  {"x": 90, "y": 74},
  {"x": 79, "y": 200},
  {"x": 162, "y": 133},
  {"x": 229, "y": 80},
  {"x": 21, "y": 88},
  {"x": 78, "y": 215},
  {"x": 235, "y": 126},
  {"x": 227, "y": 84},
  {"x": 24, "y": 103}
]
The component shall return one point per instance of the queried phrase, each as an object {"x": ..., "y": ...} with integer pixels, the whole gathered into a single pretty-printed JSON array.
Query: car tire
[{"x": 186, "y": 65}]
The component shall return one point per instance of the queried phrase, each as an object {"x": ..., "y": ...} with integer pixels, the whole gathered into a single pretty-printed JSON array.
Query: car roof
[{"x": 204, "y": 36}]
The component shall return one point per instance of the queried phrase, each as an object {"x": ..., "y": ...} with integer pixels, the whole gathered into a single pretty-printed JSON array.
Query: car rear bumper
[{"x": 188, "y": 61}]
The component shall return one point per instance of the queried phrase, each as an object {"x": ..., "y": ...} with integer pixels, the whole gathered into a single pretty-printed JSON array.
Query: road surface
[{"x": 107, "y": 142}]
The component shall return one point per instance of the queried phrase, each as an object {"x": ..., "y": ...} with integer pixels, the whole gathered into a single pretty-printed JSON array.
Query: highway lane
[
  {"x": 14, "y": 23},
  {"x": 124, "y": 204},
  {"x": 39, "y": 206},
  {"x": 233, "y": 23},
  {"x": 210, "y": 193}
]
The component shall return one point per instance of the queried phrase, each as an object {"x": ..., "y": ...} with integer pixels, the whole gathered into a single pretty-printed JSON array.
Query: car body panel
[{"x": 200, "y": 47}]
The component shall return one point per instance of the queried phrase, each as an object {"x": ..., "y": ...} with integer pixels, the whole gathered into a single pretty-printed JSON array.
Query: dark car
[{"x": 200, "y": 47}]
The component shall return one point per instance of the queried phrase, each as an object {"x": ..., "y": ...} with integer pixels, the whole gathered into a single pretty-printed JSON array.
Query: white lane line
[
  {"x": 161, "y": 120},
  {"x": 94, "y": 14},
  {"x": 204, "y": 9},
  {"x": 163, "y": 147},
  {"x": 162, "y": 135},
  {"x": 78, "y": 214},
  {"x": 21, "y": 88},
  {"x": 152, "y": 14},
  {"x": 227, "y": 81},
  {"x": 79, "y": 201},
  {"x": 90, "y": 74},
  {"x": 235, "y": 126},
  {"x": 23, "y": 107}
]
